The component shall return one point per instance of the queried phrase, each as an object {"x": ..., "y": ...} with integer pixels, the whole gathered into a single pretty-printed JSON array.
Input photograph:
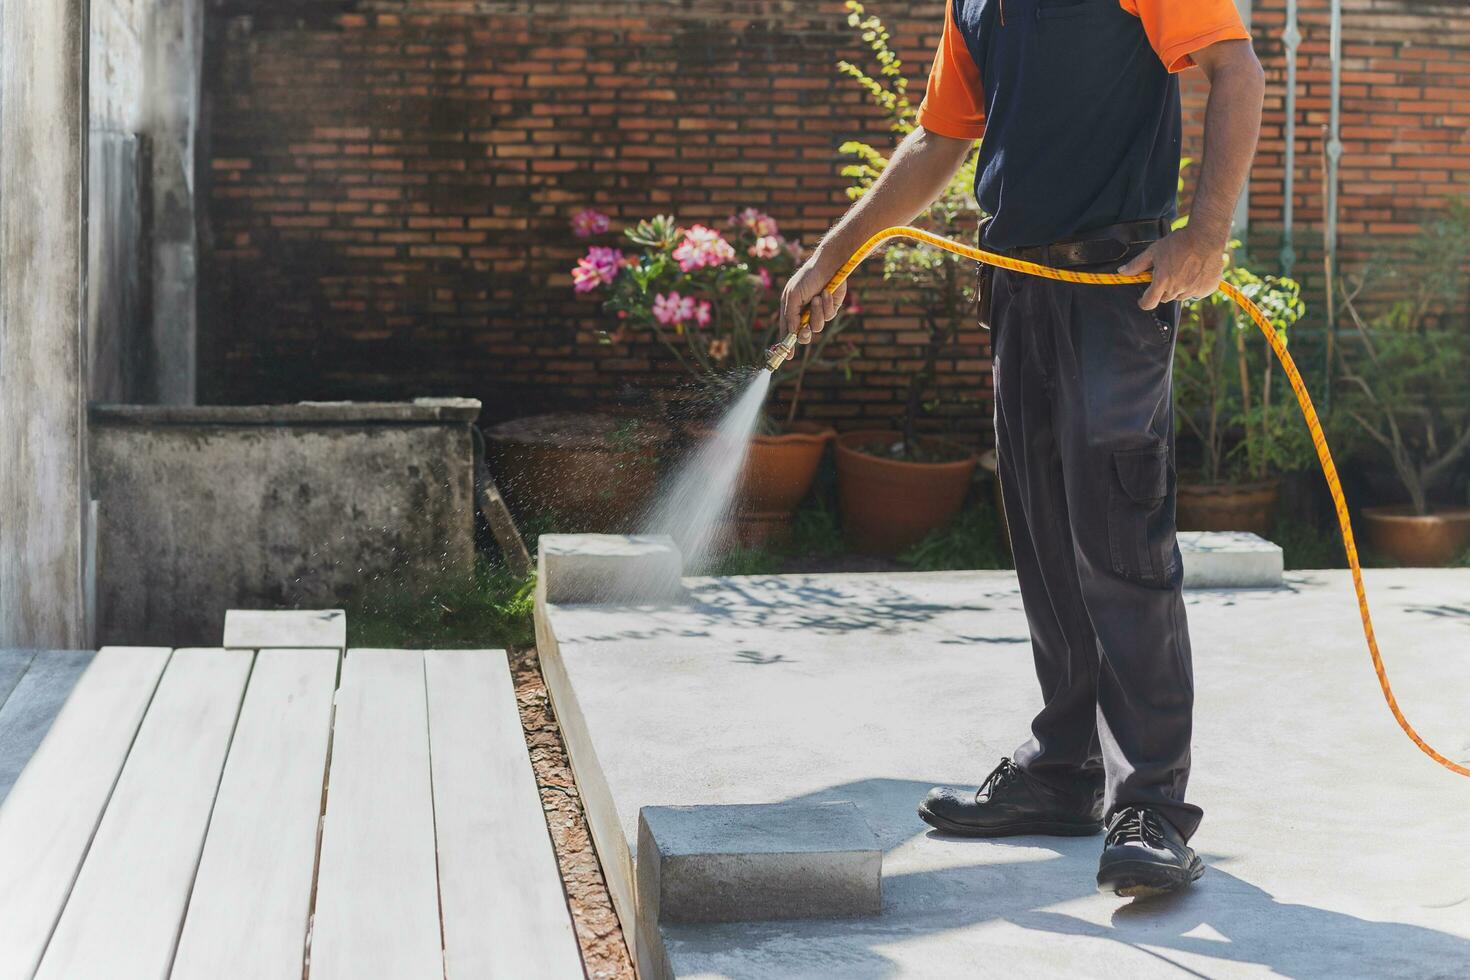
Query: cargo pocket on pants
[{"x": 1138, "y": 527}]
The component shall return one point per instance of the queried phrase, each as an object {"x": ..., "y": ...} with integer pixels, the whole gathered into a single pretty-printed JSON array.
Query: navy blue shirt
[{"x": 1078, "y": 104}]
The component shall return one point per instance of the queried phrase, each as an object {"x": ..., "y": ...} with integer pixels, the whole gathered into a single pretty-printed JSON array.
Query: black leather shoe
[
  {"x": 1144, "y": 855},
  {"x": 1008, "y": 803}
]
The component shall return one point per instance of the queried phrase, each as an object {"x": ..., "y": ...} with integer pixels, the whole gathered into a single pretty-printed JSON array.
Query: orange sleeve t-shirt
[{"x": 954, "y": 102}]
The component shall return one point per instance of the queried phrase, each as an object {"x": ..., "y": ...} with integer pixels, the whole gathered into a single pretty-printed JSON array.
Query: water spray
[{"x": 779, "y": 353}]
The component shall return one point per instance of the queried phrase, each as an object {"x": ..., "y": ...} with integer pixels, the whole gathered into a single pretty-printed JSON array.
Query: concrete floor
[{"x": 1335, "y": 848}]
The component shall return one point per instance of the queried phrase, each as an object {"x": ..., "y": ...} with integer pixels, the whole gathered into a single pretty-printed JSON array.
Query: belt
[{"x": 1096, "y": 247}]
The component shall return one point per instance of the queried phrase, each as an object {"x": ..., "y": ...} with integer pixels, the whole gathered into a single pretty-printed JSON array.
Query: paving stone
[
  {"x": 601, "y": 568},
  {"x": 1230, "y": 560},
  {"x": 748, "y": 862},
  {"x": 292, "y": 628}
]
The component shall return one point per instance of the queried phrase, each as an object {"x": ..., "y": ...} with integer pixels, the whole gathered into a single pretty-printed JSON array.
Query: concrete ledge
[
  {"x": 1230, "y": 560},
  {"x": 312, "y": 629},
  {"x": 420, "y": 410},
  {"x": 749, "y": 862},
  {"x": 583, "y": 568}
]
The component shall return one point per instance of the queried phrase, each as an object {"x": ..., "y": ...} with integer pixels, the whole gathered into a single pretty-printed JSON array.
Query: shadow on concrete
[
  {"x": 1030, "y": 882},
  {"x": 1460, "y": 614},
  {"x": 868, "y": 604}
]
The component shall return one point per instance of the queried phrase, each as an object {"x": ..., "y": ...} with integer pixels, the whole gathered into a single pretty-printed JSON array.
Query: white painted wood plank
[
  {"x": 505, "y": 913},
  {"x": 47, "y": 821},
  {"x": 248, "y": 914},
  {"x": 122, "y": 920},
  {"x": 377, "y": 905},
  {"x": 257, "y": 629},
  {"x": 32, "y": 707}
]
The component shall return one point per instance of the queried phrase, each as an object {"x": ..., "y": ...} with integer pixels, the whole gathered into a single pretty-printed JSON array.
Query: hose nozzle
[{"x": 778, "y": 353}]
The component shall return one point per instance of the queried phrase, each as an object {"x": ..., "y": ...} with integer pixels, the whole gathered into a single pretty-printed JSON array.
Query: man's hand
[
  {"x": 807, "y": 288},
  {"x": 1186, "y": 264}
]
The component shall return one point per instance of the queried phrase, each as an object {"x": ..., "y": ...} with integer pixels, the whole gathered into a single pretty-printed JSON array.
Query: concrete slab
[
  {"x": 579, "y": 568},
  {"x": 1230, "y": 560},
  {"x": 292, "y": 628},
  {"x": 762, "y": 861},
  {"x": 1335, "y": 848}
]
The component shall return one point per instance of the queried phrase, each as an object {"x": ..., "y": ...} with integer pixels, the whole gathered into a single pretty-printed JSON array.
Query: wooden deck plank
[
  {"x": 377, "y": 905},
  {"x": 13, "y": 663},
  {"x": 247, "y": 917},
  {"x": 32, "y": 707},
  {"x": 505, "y": 913},
  {"x": 257, "y": 629},
  {"x": 122, "y": 919},
  {"x": 48, "y": 820}
]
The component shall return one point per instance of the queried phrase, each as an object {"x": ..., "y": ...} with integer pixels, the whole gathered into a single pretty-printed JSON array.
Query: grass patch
[
  {"x": 491, "y": 608},
  {"x": 972, "y": 540}
]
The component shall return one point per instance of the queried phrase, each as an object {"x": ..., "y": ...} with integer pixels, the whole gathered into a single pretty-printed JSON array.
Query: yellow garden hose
[{"x": 784, "y": 349}]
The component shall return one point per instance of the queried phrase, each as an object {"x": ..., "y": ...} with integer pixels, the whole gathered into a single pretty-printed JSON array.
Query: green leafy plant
[
  {"x": 971, "y": 540},
  {"x": 1228, "y": 392},
  {"x": 940, "y": 283},
  {"x": 1404, "y": 373}
]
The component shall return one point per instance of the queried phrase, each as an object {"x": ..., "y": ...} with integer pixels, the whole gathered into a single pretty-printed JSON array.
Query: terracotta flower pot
[
  {"x": 778, "y": 473},
  {"x": 1229, "y": 506},
  {"x": 593, "y": 472},
  {"x": 887, "y": 505},
  {"x": 1430, "y": 541}
]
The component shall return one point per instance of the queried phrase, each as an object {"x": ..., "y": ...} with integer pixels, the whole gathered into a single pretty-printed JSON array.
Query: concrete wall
[{"x": 207, "y": 509}]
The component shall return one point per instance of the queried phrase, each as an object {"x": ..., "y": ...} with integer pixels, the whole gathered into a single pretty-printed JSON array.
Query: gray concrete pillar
[
  {"x": 43, "y": 436},
  {"x": 176, "y": 43}
]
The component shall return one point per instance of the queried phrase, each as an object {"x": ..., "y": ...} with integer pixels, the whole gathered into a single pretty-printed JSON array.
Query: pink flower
[
  {"x": 672, "y": 308},
  {"x": 766, "y": 247},
  {"x": 853, "y": 306},
  {"x": 597, "y": 268},
  {"x": 702, "y": 248},
  {"x": 702, "y": 314},
  {"x": 719, "y": 349},
  {"x": 763, "y": 225},
  {"x": 587, "y": 222}
]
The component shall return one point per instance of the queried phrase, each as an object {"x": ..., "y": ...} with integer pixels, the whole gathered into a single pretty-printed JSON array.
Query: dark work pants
[{"x": 1084, "y": 435}]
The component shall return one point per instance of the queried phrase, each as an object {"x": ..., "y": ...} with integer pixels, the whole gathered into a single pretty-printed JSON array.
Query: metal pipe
[
  {"x": 1291, "y": 38},
  {"x": 1332, "y": 152}
]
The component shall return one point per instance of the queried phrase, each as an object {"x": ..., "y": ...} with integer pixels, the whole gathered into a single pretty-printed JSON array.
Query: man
[{"x": 1078, "y": 102}]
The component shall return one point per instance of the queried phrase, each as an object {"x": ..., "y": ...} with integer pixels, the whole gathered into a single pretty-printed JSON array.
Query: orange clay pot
[
  {"x": 1431, "y": 541},
  {"x": 1229, "y": 506},
  {"x": 888, "y": 506},
  {"x": 778, "y": 473}
]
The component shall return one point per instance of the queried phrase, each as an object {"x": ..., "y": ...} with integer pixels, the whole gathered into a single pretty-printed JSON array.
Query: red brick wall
[{"x": 389, "y": 181}]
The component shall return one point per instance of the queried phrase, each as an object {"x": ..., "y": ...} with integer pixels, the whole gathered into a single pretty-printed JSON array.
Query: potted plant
[
  {"x": 583, "y": 471},
  {"x": 1405, "y": 388},
  {"x": 709, "y": 298},
  {"x": 895, "y": 486},
  {"x": 1231, "y": 398}
]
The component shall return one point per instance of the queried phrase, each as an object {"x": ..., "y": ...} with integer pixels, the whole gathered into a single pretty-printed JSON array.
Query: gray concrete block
[
  {"x": 757, "y": 861},
  {"x": 1230, "y": 560},
  {"x": 292, "y": 628},
  {"x": 587, "y": 568}
]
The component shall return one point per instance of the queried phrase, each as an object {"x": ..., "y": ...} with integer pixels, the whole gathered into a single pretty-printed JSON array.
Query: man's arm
[
  {"x": 1187, "y": 263},
  {"x": 920, "y": 169}
]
